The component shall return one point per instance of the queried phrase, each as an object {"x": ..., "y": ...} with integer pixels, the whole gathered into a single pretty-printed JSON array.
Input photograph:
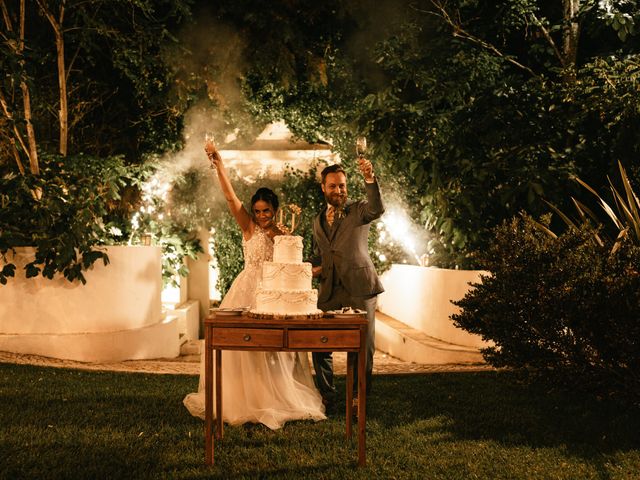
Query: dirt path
[{"x": 189, "y": 365}]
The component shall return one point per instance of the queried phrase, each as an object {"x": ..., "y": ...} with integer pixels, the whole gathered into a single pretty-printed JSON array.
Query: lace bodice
[{"x": 258, "y": 249}]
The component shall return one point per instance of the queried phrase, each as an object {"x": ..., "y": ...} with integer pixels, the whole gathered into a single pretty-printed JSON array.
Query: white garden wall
[
  {"x": 115, "y": 316},
  {"x": 421, "y": 298}
]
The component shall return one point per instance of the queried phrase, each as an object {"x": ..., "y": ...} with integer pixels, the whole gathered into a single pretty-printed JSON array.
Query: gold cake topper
[{"x": 295, "y": 211}]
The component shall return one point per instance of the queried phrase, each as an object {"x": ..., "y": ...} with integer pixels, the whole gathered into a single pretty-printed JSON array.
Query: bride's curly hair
[{"x": 266, "y": 195}]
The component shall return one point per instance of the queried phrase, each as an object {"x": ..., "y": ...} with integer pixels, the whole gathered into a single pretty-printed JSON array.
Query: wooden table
[{"x": 326, "y": 334}]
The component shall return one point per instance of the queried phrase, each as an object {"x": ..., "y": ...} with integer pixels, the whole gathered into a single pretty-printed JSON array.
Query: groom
[{"x": 341, "y": 261}]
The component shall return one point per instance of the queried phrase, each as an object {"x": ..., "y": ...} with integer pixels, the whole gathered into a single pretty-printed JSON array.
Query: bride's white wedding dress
[{"x": 260, "y": 387}]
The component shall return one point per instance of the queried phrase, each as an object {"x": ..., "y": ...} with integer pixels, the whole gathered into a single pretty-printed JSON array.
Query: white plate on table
[
  {"x": 228, "y": 312},
  {"x": 345, "y": 313}
]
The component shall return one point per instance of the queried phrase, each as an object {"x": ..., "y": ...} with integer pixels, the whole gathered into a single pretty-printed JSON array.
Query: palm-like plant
[{"x": 625, "y": 215}]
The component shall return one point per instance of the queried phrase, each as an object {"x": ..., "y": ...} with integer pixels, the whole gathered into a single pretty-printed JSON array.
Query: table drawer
[
  {"x": 247, "y": 337},
  {"x": 323, "y": 338}
]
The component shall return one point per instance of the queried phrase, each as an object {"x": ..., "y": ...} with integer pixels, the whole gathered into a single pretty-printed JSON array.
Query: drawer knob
[
  {"x": 324, "y": 339},
  {"x": 247, "y": 337}
]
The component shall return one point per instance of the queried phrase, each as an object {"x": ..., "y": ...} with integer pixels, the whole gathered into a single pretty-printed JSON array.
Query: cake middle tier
[
  {"x": 286, "y": 302},
  {"x": 286, "y": 276}
]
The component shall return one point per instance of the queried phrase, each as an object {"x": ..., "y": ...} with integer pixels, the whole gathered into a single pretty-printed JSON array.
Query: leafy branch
[
  {"x": 458, "y": 31},
  {"x": 549, "y": 39}
]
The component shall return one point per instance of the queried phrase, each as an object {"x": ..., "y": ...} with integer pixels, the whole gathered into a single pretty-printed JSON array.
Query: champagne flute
[
  {"x": 361, "y": 146},
  {"x": 209, "y": 138}
]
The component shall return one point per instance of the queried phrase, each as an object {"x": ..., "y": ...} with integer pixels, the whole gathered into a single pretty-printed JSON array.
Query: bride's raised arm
[{"x": 235, "y": 205}]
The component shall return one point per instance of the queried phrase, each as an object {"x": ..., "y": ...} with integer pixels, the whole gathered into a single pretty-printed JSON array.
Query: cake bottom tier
[{"x": 286, "y": 302}]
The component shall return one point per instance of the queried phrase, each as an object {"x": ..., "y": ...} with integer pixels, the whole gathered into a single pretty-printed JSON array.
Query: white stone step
[
  {"x": 188, "y": 315},
  {"x": 410, "y": 345},
  {"x": 159, "y": 340},
  {"x": 191, "y": 348}
]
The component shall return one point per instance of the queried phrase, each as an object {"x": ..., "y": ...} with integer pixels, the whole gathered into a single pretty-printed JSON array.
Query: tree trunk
[
  {"x": 31, "y": 134},
  {"x": 63, "y": 114},
  {"x": 16, "y": 133},
  {"x": 570, "y": 37},
  {"x": 16, "y": 156},
  {"x": 62, "y": 82},
  {"x": 26, "y": 102},
  {"x": 30, "y": 150}
]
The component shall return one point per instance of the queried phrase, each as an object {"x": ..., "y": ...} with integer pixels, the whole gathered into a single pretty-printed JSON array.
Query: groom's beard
[{"x": 336, "y": 200}]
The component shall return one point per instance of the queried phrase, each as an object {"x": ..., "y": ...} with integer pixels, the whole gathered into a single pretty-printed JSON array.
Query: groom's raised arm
[{"x": 372, "y": 208}]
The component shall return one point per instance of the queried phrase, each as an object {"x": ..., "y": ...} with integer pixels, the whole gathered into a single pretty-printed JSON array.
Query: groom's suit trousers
[{"x": 323, "y": 361}]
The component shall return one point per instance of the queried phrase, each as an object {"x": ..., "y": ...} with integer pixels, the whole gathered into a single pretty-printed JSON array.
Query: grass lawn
[{"x": 57, "y": 423}]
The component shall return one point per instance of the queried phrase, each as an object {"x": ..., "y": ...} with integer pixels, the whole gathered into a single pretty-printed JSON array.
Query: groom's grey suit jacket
[{"x": 342, "y": 249}]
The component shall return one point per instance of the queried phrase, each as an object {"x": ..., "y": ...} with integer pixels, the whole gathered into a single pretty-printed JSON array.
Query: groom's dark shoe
[{"x": 329, "y": 405}]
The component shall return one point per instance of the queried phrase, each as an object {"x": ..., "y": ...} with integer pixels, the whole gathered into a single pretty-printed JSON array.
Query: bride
[{"x": 258, "y": 387}]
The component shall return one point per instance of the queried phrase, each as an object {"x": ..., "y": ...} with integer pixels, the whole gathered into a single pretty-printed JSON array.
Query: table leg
[
  {"x": 351, "y": 357},
  {"x": 219, "y": 423},
  {"x": 208, "y": 397},
  {"x": 362, "y": 396}
]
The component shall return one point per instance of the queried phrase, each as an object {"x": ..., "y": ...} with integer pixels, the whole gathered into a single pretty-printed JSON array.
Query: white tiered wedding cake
[{"x": 286, "y": 290}]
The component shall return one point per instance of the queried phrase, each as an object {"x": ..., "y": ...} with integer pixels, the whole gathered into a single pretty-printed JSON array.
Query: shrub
[
  {"x": 80, "y": 203},
  {"x": 172, "y": 207},
  {"x": 565, "y": 308},
  {"x": 63, "y": 213},
  {"x": 227, "y": 248}
]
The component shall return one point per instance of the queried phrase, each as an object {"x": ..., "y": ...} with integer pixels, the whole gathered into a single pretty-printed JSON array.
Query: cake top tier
[{"x": 287, "y": 249}]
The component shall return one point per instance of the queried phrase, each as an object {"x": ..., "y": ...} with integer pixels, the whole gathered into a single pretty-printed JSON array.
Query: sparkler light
[{"x": 396, "y": 227}]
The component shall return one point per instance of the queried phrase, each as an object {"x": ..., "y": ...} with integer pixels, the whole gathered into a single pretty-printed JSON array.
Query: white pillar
[{"x": 198, "y": 284}]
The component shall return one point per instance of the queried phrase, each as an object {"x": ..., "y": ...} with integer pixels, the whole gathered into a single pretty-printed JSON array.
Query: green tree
[
  {"x": 87, "y": 76},
  {"x": 82, "y": 81},
  {"x": 476, "y": 110}
]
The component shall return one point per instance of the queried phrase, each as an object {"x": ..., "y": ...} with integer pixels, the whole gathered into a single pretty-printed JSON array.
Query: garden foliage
[
  {"x": 78, "y": 204},
  {"x": 474, "y": 110},
  {"x": 563, "y": 308},
  {"x": 118, "y": 86},
  {"x": 64, "y": 213},
  {"x": 173, "y": 206}
]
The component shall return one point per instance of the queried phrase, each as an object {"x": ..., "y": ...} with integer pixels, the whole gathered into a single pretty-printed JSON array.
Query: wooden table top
[{"x": 328, "y": 320}]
